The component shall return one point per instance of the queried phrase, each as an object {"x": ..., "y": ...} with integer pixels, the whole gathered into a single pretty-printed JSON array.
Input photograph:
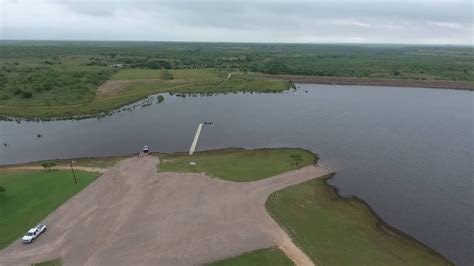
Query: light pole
[{"x": 73, "y": 174}]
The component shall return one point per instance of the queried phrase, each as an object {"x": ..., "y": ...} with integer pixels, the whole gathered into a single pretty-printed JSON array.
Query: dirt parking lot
[{"x": 133, "y": 215}]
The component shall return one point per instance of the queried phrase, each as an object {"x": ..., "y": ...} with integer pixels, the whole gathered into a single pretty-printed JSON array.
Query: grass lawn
[
  {"x": 31, "y": 196},
  {"x": 238, "y": 164},
  {"x": 56, "y": 262},
  {"x": 336, "y": 231},
  {"x": 270, "y": 256}
]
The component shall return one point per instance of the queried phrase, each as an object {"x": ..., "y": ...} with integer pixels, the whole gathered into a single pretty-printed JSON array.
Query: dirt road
[{"x": 133, "y": 215}]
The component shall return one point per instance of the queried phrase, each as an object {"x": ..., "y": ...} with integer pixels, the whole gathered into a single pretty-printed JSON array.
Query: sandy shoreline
[{"x": 437, "y": 84}]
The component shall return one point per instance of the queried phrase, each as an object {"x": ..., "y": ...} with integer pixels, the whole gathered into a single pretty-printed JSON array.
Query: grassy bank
[
  {"x": 98, "y": 162},
  {"x": 43, "y": 79},
  {"x": 236, "y": 83},
  {"x": 238, "y": 164},
  {"x": 97, "y": 106},
  {"x": 207, "y": 81},
  {"x": 30, "y": 196},
  {"x": 270, "y": 256},
  {"x": 336, "y": 231}
]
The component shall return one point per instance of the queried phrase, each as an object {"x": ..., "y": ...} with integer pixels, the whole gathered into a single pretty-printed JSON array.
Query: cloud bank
[{"x": 323, "y": 21}]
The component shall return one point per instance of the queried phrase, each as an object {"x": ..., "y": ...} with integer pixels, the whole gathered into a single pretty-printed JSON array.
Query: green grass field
[
  {"x": 31, "y": 196},
  {"x": 336, "y": 231},
  {"x": 270, "y": 256},
  {"x": 238, "y": 164}
]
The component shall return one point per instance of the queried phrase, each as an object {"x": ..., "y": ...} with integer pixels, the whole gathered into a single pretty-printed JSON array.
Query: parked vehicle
[{"x": 33, "y": 233}]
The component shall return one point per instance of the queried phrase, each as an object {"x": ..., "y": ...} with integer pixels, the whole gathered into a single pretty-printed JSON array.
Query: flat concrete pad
[{"x": 133, "y": 215}]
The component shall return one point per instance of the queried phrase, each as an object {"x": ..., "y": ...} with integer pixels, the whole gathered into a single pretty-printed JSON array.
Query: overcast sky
[{"x": 297, "y": 21}]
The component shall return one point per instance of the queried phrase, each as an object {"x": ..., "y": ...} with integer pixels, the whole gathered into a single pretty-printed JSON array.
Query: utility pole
[{"x": 73, "y": 174}]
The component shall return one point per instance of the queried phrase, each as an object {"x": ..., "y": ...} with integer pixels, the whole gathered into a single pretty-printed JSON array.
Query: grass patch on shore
[
  {"x": 269, "y": 256},
  {"x": 30, "y": 196},
  {"x": 96, "y": 162},
  {"x": 336, "y": 231},
  {"x": 238, "y": 164}
]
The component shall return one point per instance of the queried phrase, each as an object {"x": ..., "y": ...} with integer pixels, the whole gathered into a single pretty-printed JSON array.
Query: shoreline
[
  {"x": 435, "y": 84},
  {"x": 148, "y": 99},
  {"x": 382, "y": 225}
]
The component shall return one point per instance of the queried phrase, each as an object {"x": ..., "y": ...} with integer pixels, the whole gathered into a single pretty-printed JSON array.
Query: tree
[
  {"x": 2, "y": 189},
  {"x": 48, "y": 165}
]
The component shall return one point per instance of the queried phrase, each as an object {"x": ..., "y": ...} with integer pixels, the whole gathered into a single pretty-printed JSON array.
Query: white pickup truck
[{"x": 33, "y": 233}]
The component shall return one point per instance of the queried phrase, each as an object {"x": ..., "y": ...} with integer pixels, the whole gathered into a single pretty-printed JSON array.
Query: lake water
[{"x": 408, "y": 152}]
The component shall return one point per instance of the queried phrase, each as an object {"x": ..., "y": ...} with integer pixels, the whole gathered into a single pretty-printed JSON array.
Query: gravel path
[{"x": 133, "y": 215}]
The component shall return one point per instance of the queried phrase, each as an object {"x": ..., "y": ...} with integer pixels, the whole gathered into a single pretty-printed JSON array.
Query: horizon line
[{"x": 238, "y": 42}]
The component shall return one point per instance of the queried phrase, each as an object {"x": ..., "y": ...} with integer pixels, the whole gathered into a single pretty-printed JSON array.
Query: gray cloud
[{"x": 396, "y": 21}]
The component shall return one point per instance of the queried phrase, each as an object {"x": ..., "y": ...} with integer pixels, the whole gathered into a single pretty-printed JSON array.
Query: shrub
[
  {"x": 167, "y": 75},
  {"x": 160, "y": 98},
  {"x": 48, "y": 165}
]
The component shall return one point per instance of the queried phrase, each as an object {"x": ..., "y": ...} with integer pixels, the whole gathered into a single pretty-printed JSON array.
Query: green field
[
  {"x": 271, "y": 256},
  {"x": 336, "y": 231},
  {"x": 30, "y": 196},
  {"x": 238, "y": 164}
]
